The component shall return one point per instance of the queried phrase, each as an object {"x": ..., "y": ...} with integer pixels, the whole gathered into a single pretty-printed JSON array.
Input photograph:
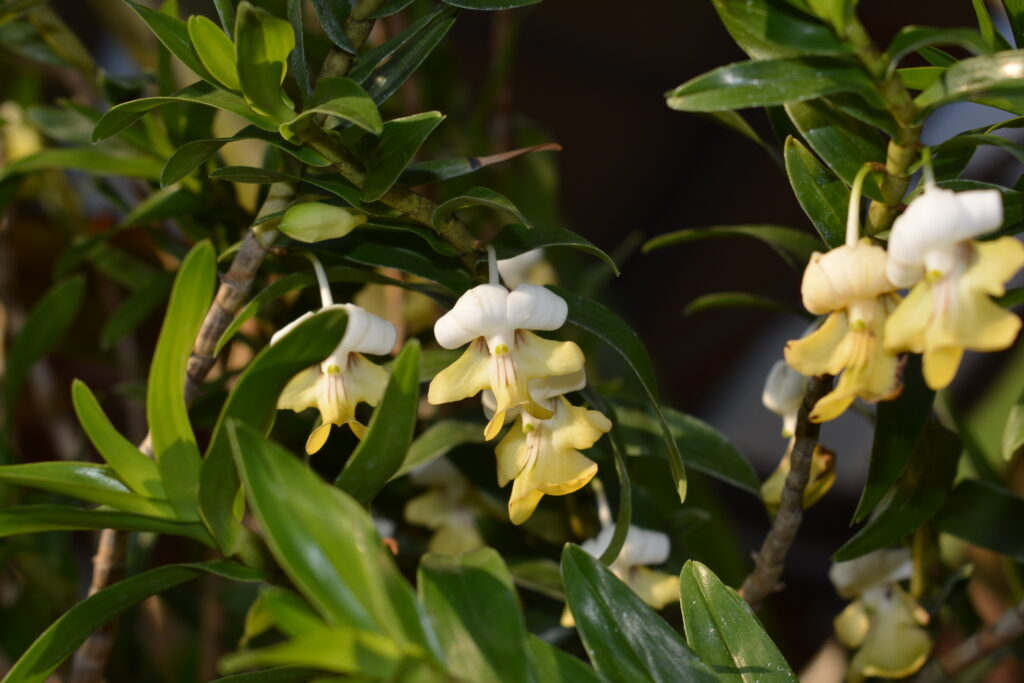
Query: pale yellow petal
[
  {"x": 657, "y": 589},
  {"x": 821, "y": 351},
  {"x": 995, "y": 262},
  {"x": 907, "y": 326},
  {"x": 301, "y": 392},
  {"x": 558, "y": 472},
  {"x": 539, "y": 357},
  {"x": 512, "y": 455},
  {"x": 431, "y": 509},
  {"x": 851, "y": 626},
  {"x": 939, "y": 366},
  {"x": 455, "y": 538},
  {"x": 523, "y": 501},
  {"x": 318, "y": 438},
  {"x": 466, "y": 377},
  {"x": 365, "y": 380},
  {"x": 567, "y": 620},
  {"x": 896, "y": 646}
]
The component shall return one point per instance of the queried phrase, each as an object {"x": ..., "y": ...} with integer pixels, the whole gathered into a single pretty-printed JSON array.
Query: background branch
[{"x": 1008, "y": 628}]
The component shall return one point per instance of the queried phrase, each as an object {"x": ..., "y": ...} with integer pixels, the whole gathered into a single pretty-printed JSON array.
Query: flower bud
[
  {"x": 316, "y": 222},
  {"x": 846, "y": 274}
]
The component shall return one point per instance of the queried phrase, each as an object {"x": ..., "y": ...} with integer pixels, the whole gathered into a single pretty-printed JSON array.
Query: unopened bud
[{"x": 316, "y": 222}]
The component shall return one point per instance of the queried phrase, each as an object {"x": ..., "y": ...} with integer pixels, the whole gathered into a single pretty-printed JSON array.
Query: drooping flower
[
  {"x": 503, "y": 355},
  {"x": 849, "y": 285},
  {"x": 783, "y": 394},
  {"x": 446, "y": 508},
  {"x": 346, "y": 377},
  {"x": 528, "y": 267},
  {"x": 883, "y": 623},
  {"x": 949, "y": 309}
]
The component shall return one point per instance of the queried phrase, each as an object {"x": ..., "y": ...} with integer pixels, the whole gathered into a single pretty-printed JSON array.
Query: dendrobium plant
[
  {"x": 848, "y": 284},
  {"x": 346, "y": 377},
  {"x": 932, "y": 250},
  {"x": 883, "y": 622}
]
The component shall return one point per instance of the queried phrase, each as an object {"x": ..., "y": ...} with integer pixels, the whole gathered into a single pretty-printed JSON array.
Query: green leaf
[
  {"x": 174, "y": 444},
  {"x": 226, "y": 14},
  {"x": 99, "y": 162},
  {"x": 626, "y": 640},
  {"x": 94, "y": 483},
  {"x": 389, "y": 7},
  {"x": 771, "y": 28},
  {"x": 32, "y": 519},
  {"x": 253, "y": 401},
  {"x": 540, "y": 575},
  {"x": 477, "y": 196},
  {"x": 475, "y": 612},
  {"x": 250, "y": 174},
  {"x": 992, "y": 79},
  {"x": 132, "y": 466},
  {"x": 442, "y": 169},
  {"x": 262, "y": 45},
  {"x": 516, "y": 238},
  {"x": 174, "y": 35},
  {"x": 970, "y": 141},
  {"x": 556, "y": 666},
  {"x": 725, "y": 632},
  {"x": 134, "y": 310},
  {"x": 767, "y": 82},
  {"x": 984, "y": 515},
  {"x": 822, "y": 195},
  {"x": 426, "y": 234},
  {"x": 340, "y": 97},
  {"x": 297, "y": 59},
  {"x": 45, "y": 326},
  {"x": 332, "y": 15},
  {"x": 899, "y": 428},
  {"x": 438, "y": 440},
  {"x": 715, "y": 300},
  {"x": 1015, "y": 13},
  {"x": 614, "y": 331},
  {"x": 406, "y": 56},
  {"x": 165, "y": 203},
  {"x": 127, "y": 113},
  {"x": 323, "y": 539},
  {"x": 383, "y": 448},
  {"x": 215, "y": 50},
  {"x": 398, "y": 144},
  {"x": 701, "y": 446},
  {"x": 841, "y": 141},
  {"x": 392, "y": 253},
  {"x": 988, "y": 30},
  {"x": 910, "y": 39},
  {"x": 490, "y": 4},
  {"x": 62, "y": 638},
  {"x": 794, "y": 246},
  {"x": 281, "y": 674},
  {"x": 915, "y": 498},
  {"x": 1013, "y": 431}
]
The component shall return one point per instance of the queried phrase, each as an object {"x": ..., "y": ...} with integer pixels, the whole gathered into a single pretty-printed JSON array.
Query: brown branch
[
  {"x": 1008, "y": 628},
  {"x": 770, "y": 560}
]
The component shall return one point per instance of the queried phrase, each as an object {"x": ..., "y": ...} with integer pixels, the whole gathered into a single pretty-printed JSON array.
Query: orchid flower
[
  {"x": 849, "y": 285},
  {"x": 783, "y": 394},
  {"x": 883, "y": 623},
  {"x": 445, "y": 508},
  {"x": 822, "y": 477},
  {"x": 949, "y": 309},
  {"x": 346, "y": 377},
  {"x": 503, "y": 355},
  {"x": 529, "y": 267}
]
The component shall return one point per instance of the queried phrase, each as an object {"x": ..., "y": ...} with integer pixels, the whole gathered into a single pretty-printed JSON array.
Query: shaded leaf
[
  {"x": 435, "y": 170},
  {"x": 342, "y": 98},
  {"x": 556, "y": 666},
  {"x": 407, "y": 56},
  {"x": 794, "y": 246},
  {"x": 822, "y": 196},
  {"x": 135, "y": 309},
  {"x": 437, "y": 440},
  {"x": 215, "y": 50},
  {"x": 32, "y": 519},
  {"x": 98, "y": 162},
  {"x": 173, "y": 33},
  {"x": 516, "y": 238},
  {"x": 262, "y": 45},
  {"x": 984, "y": 515},
  {"x": 398, "y": 144},
  {"x": 772, "y": 28},
  {"x": 742, "y": 300},
  {"x": 332, "y": 15},
  {"x": 993, "y": 79},
  {"x": 477, "y": 196}
]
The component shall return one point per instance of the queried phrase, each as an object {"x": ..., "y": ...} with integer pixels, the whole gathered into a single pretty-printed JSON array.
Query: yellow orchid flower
[
  {"x": 883, "y": 623},
  {"x": 949, "y": 308},
  {"x": 822, "y": 477},
  {"x": 849, "y": 285},
  {"x": 503, "y": 355},
  {"x": 346, "y": 378},
  {"x": 445, "y": 508}
]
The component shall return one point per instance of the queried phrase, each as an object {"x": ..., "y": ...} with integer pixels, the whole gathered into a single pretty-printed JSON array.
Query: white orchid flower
[
  {"x": 949, "y": 309},
  {"x": 346, "y": 377},
  {"x": 528, "y": 267},
  {"x": 784, "y": 393}
]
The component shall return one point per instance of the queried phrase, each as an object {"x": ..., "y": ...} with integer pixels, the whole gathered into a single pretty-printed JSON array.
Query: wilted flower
[
  {"x": 884, "y": 623},
  {"x": 503, "y": 355},
  {"x": 949, "y": 309},
  {"x": 446, "y": 508},
  {"x": 783, "y": 394},
  {"x": 346, "y": 378},
  {"x": 822, "y": 476}
]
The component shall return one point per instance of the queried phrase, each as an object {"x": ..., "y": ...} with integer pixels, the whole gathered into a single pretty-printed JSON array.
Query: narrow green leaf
[
  {"x": 127, "y": 113},
  {"x": 332, "y": 15},
  {"x": 556, "y": 666},
  {"x": 99, "y": 162},
  {"x": 771, "y": 28},
  {"x": 475, "y": 612},
  {"x": 62, "y": 638},
  {"x": 226, "y": 14},
  {"x": 614, "y": 331},
  {"x": 626, "y": 640},
  {"x": 383, "y": 448},
  {"x": 438, "y": 440},
  {"x": 984, "y": 515},
  {"x": 447, "y": 272},
  {"x": 988, "y": 30},
  {"x": 398, "y": 144},
  {"x": 624, "y": 517},
  {"x": 135, "y": 309},
  {"x": 262, "y": 45},
  {"x": 132, "y": 466},
  {"x": 992, "y": 79},
  {"x": 725, "y": 632},
  {"x": 899, "y": 428},
  {"x": 767, "y": 82},
  {"x": 490, "y": 4},
  {"x": 174, "y": 444},
  {"x": 540, "y": 575},
  {"x": 94, "y": 483},
  {"x": 280, "y": 674},
  {"x": 340, "y": 97},
  {"x": 389, "y": 7},
  {"x": 297, "y": 61},
  {"x": 794, "y": 246},
  {"x": 426, "y": 234},
  {"x": 174, "y": 35},
  {"x": 32, "y": 519},
  {"x": 46, "y": 325},
  {"x": 910, "y": 39},
  {"x": 822, "y": 195},
  {"x": 161, "y": 205},
  {"x": 215, "y": 50},
  {"x": 442, "y": 169},
  {"x": 915, "y": 498},
  {"x": 516, "y": 238},
  {"x": 407, "y": 56},
  {"x": 715, "y": 300},
  {"x": 253, "y": 401},
  {"x": 1015, "y": 13},
  {"x": 1013, "y": 431},
  {"x": 477, "y": 196}
]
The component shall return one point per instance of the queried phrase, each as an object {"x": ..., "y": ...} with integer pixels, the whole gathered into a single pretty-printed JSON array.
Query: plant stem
[
  {"x": 357, "y": 29},
  {"x": 770, "y": 560},
  {"x": 1006, "y": 629},
  {"x": 902, "y": 148}
]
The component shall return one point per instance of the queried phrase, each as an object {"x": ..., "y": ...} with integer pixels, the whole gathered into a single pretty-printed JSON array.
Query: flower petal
[
  {"x": 366, "y": 333},
  {"x": 301, "y": 392},
  {"x": 466, "y": 377},
  {"x": 523, "y": 501},
  {"x": 657, "y": 589},
  {"x": 365, "y": 380},
  {"x": 906, "y": 327},
  {"x": 821, "y": 352},
  {"x": 511, "y": 453},
  {"x": 851, "y": 625},
  {"x": 939, "y": 366},
  {"x": 431, "y": 509},
  {"x": 560, "y": 472},
  {"x": 896, "y": 646},
  {"x": 480, "y": 312},
  {"x": 532, "y": 307},
  {"x": 539, "y": 357},
  {"x": 317, "y": 438}
]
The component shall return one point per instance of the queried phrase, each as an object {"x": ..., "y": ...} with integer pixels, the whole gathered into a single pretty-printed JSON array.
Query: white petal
[
  {"x": 367, "y": 333},
  {"x": 532, "y": 307},
  {"x": 480, "y": 312},
  {"x": 289, "y": 327},
  {"x": 983, "y": 211},
  {"x": 597, "y": 545},
  {"x": 645, "y": 547},
  {"x": 879, "y": 568},
  {"x": 783, "y": 389},
  {"x": 515, "y": 270}
]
